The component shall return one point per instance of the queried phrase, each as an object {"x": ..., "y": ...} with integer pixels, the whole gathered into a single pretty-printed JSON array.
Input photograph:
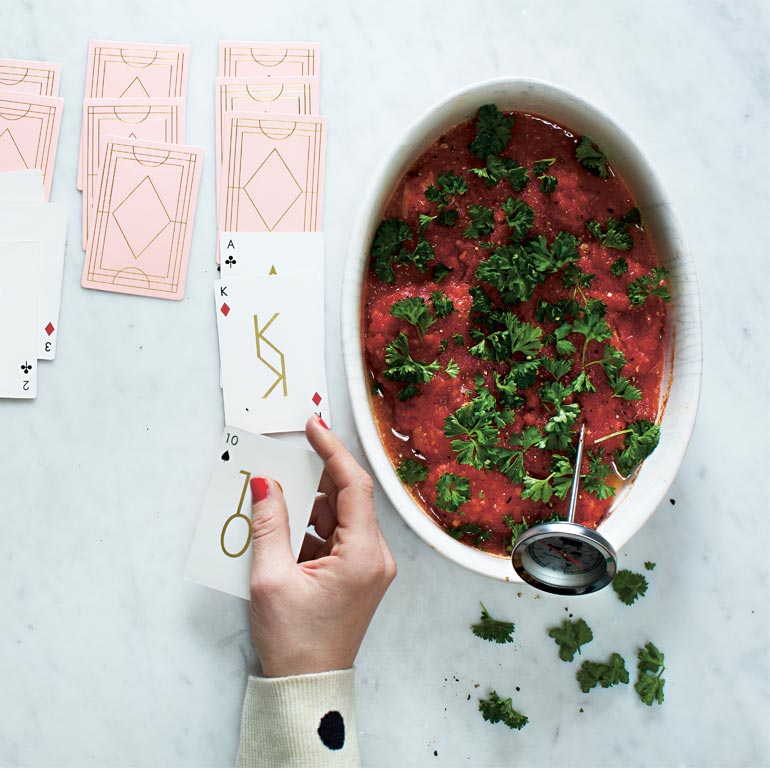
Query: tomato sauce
[{"x": 415, "y": 428}]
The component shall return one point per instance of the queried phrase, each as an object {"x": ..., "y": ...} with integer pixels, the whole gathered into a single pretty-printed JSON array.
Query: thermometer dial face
[{"x": 564, "y": 558}]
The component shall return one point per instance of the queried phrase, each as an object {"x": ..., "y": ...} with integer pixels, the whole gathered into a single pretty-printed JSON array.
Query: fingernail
[
  {"x": 323, "y": 424},
  {"x": 259, "y": 489}
]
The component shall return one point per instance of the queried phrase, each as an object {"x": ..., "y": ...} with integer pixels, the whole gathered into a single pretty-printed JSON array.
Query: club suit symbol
[{"x": 26, "y": 367}]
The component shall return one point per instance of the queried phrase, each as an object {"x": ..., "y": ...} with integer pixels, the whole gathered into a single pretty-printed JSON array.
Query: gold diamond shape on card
[
  {"x": 141, "y": 217},
  {"x": 272, "y": 189},
  {"x": 11, "y": 158}
]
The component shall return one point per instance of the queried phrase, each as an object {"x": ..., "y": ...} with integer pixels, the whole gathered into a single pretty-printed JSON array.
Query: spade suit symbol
[{"x": 226, "y": 455}]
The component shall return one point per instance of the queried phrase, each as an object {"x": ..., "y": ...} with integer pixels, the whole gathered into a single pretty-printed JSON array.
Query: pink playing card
[
  {"x": 29, "y": 133},
  {"x": 239, "y": 58},
  {"x": 159, "y": 120},
  {"x": 30, "y": 77},
  {"x": 272, "y": 178},
  {"x": 136, "y": 70},
  {"x": 283, "y": 95},
  {"x": 143, "y": 217}
]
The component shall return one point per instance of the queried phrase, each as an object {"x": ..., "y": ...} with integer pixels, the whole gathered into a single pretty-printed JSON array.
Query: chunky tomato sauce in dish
[{"x": 513, "y": 295}]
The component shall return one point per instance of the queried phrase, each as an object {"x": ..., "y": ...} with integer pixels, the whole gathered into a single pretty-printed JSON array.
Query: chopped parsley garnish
[
  {"x": 498, "y": 631},
  {"x": 442, "y": 305},
  {"x": 641, "y": 439},
  {"x": 387, "y": 242},
  {"x": 498, "y": 168},
  {"x": 448, "y": 186},
  {"x": 629, "y": 586},
  {"x": 419, "y": 257},
  {"x": 413, "y": 310},
  {"x": 510, "y": 336},
  {"x": 591, "y": 158},
  {"x": 476, "y": 531},
  {"x": 650, "y": 285},
  {"x": 556, "y": 367},
  {"x": 452, "y": 491},
  {"x": 619, "y": 267},
  {"x": 440, "y": 271},
  {"x": 649, "y": 566},
  {"x": 496, "y": 709},
  {"x": 408, "y": 392},
  {"x": 482, "y": 222},
  {"x": 570, "y": 637},
  {"x": 510, "y": 460},
  {"x": 452, "y": 368},
  {"x": 411, "y": 471},
  {"x": 539, "y": 169},
  {"x": 517, "y": 527},
  {"x": 615, "y": 234},
  {"x": 595, "y": 480},
  {"x": 493, "y": 131},
  {"x": 557, "y": 483},
  {"x": 606, "y": 674},
  {"x": 650, "y": 668},
  {"x": 402, "y": 367},
  {"x": 519, "y": 216},
  {"x": 458, "y": 339}
]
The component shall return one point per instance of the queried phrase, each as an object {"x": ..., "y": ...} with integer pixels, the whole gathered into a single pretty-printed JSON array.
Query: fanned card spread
[
  {"x": 143, "y": 216},
  {"x": 30, "y": 77},
  {"x": 220, "y": 555}
]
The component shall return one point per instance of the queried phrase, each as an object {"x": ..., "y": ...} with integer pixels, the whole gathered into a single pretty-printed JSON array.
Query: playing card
[
  {"x": 143, "y": 216},
  {"x": 271, "y": 345},
  {"x": 261, "y": 254},
  {"x": 221, "y": 553},
  {"x": 18, "y": 315},
  {"x": 29, "y": 133},
  {"x": 159, "y": 120},
  {"x": 272, "y": 178},
  {"x": 239, "y": 58},
  {"x": 44, "y": 224},
  {"x": 283, "y": 95},
  {"x": 136, "y": 70},
  {"x": 22, "y": 186},
  {"x": 30, "y": 77}
]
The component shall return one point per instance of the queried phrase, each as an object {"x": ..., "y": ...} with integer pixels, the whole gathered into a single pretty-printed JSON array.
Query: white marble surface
[{"x": 107, "y": 657}]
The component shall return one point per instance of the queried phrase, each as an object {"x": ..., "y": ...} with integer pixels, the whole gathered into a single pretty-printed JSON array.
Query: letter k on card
[{"x": 271, "y": 347}]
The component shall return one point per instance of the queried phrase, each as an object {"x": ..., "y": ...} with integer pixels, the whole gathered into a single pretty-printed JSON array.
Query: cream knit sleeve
[{"x": 299, "y": 721}]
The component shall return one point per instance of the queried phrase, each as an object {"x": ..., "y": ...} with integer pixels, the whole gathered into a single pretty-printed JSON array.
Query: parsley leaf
[
  {"x": 640, "y": 442},
  {"x": 498, "y": 631},
  {"x": 615, "y": 234},
  {"x": 517, "y": 527},
  {"x": 510, "y": 460},
  {"x": 413, "y": 310},
  {"x": 478, "y": 533},
  {"x": 493, "y": 131},
  {"x": 419, "y": 257},
  {"x": 595, "y": 480},
  {"x": 650, "y": 285},
  {"x": 442, "y": 305},
  {"x": 402, "y": 367},
  {"x": 558, "y": 482},
  {"x": 448, "y": 186},
  {"x": 556, "y": 367},
  {"x": 498, "y": 168},
  {"x": 504, "y": 343},
  {"x": 574, "y": 278},
  {"x": 619, "y": 267},
  {"x": 547, "y": 182},
  {"x": 440, "y": 271},
  {"x": 606, "y": 674},
  {"x": 622, "y": 388},
  {"x": 571, "y": 636},
  {"x": 649, "y": 565},
  {"x": 650, "y": 682},
  {"x": 629, "y": 586},
  {"x": 519, "y": 216},
  {"x": 582, "y": 383},
  {"x": 410, "y": 391},
  {"x": 411, "y": 471},
  {"x": 389, "y": 236},
  {"x": 591, "y": 158},
  {"x": 482, "y": 222},
  {"x": 452, "y": 368},
  {"x": 496, "y": 709},
  {"x": 452, "y": 491},
  {"x": 558, "y": 429},
  {"x": 424, "y": 220}
]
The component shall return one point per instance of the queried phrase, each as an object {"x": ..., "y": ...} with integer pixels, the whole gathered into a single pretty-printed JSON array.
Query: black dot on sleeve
[{"x": 331, "y": 730}]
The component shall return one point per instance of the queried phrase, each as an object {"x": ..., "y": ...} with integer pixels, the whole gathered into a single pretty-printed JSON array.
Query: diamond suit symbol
[{"x": 225, "y": 309}]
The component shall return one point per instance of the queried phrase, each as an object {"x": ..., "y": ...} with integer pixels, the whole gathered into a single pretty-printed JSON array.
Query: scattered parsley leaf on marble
[
  {"x": 570, "y": 637},
  {"x": 649, "y": 565},
  {"x": 606, "y": 674},
  {"x": 496, "y": 709},
  {"x": 629, "y": 586},
  {"x": 492, "y": 630},
  {"x": 650, "y": 682}
]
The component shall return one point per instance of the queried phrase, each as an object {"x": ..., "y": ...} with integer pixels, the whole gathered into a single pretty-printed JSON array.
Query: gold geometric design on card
[
  {"x": 273, "y": 271},
  {"x": 237, "y": 515},
  {"x": 135, "y": 90},
  {"x": 259, "y": 335},
  {"x": 142, "y": 205},
  {"x": 9, "y": 150},
  {"x": 272, "y": 189}
]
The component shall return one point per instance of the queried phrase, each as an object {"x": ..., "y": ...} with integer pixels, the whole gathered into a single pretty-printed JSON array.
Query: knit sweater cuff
[{"x": 299, "y": 721}]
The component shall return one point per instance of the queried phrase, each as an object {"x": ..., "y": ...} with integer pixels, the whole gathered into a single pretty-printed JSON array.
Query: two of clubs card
[
  {"x": 139, "y": 180},
  {"x": 33, "y": 236},
  {"x": 220, "y": 555}
]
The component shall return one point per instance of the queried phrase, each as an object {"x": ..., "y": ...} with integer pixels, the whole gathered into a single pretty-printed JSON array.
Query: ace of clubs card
[
  {"x": 271, "y": 346},
  {"x": 221, "y": 553}
]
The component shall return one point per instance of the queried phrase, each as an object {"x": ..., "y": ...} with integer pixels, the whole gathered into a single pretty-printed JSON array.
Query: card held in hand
[
  {"x": 221, "y": 553},
  {"x": 271, "y": 346}
]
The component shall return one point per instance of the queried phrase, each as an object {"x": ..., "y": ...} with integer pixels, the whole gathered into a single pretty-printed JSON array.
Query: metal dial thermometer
[{"x": 563, "y": 557}]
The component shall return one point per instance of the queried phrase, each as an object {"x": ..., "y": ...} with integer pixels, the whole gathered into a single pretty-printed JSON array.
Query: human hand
[{"x": 312, "y": 616}]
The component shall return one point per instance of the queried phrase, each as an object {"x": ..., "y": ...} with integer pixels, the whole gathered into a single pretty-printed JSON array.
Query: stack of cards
[
  {"x": 33, "y": 236},
  {"x": 269, "y": 302},
  {"x": 139, "y": 182}
]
